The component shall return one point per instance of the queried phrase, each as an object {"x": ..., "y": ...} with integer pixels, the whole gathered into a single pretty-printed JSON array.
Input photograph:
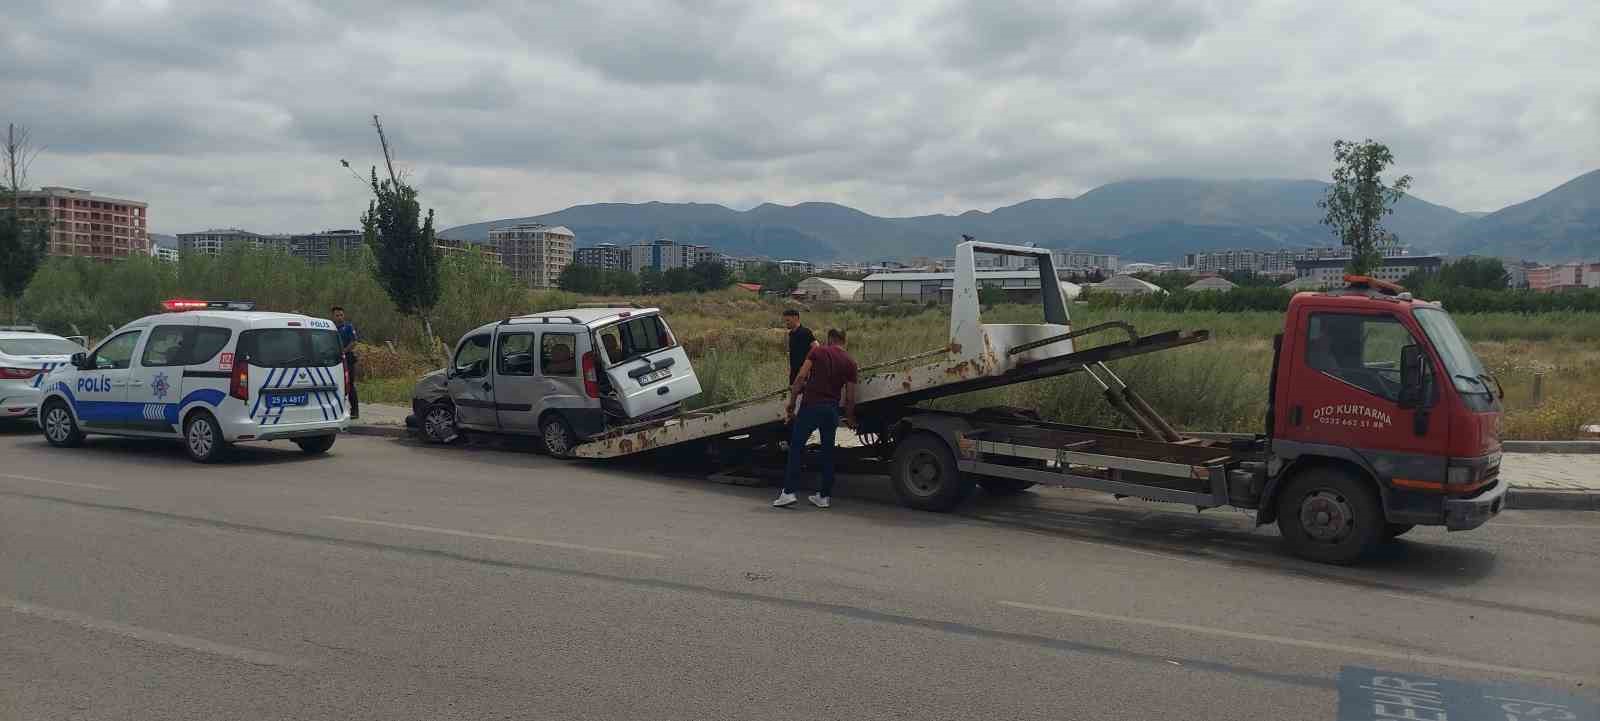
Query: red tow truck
[{"x": 1380, "y": 418}]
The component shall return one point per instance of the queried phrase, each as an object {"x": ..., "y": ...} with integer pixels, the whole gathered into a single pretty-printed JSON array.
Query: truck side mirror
[
  {"x": 1411, "y": 382},
  {"x": 78, "y": 359}
]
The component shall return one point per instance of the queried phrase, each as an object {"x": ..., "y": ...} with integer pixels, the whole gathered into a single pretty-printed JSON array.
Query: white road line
[
  {"x": 1550, "y": 525},
  {"x": 260, "y": 658},
  {"x": 74, "y": 484},
  {"x": 1302, "y": 643},
  {"x": 495, "y": 537}
]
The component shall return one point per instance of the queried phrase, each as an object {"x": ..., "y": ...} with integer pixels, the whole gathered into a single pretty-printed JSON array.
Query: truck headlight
[{"x": 1458, "y": 475}]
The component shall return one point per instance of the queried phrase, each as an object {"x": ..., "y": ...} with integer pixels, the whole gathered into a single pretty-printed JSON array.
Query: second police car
[{"x": 211, "y": 373}]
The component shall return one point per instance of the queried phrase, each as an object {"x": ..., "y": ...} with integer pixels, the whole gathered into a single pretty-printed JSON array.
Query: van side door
[
  {"x": 560, "y": 368},
  {"x": 517, "y": 385},
  {"x": 470, "y": 385}
]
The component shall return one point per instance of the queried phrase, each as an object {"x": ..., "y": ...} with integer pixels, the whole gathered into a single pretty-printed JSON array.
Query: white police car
[
  {"x": 25, "y": 357},
  {"x": 212, "y": 373}
]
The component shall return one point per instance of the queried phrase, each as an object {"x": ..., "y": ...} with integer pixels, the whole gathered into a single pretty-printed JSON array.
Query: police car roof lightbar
[{"x": 176, "y": 305}]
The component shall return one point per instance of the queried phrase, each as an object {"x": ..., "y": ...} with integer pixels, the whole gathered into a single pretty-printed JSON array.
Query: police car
[
  {"x": 26, "y": 356},
  {"x": 212, "y": 373}
]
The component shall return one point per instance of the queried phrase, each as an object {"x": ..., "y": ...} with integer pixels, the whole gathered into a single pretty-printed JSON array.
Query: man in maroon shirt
[{"x": 826, "y": 381}]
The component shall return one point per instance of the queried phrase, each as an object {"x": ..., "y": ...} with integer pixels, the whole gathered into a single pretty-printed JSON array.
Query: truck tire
[
  {"x": 1330, "y": 516},
  {"x": 925, "y": 475},
  {"x": 316, "y": 445},
  {"x": 997, "y": 486}
]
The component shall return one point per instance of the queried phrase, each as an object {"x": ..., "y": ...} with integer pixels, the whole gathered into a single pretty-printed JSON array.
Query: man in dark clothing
[
  {"x": 347, "y": 345},
  {"x": 826, "y": 381},
  {"x": 801, "y": 341}
]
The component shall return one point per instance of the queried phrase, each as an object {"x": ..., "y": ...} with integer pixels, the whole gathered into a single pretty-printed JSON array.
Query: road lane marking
[
  {"x": 1303, "y": 643},
  {"x": 1545, "y": 525},
  {"x": 496, "y": 537},
  {"x": 260, "y": 658},
  {"x": 74, "y": 484}
]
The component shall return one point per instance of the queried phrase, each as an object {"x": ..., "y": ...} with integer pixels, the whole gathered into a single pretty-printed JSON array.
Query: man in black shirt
[{"x": 801, "y": 341}]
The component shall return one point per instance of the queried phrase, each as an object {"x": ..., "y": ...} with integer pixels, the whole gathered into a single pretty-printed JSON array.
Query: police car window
[
  {"x": 167, "y": 346},
  {"x": 472, "y": 360},
  {"x": 39, "y": 346},
  {"x": 516, "y": 354},
  {"x": 117, "y": 353},
  {"x": 556, "y": 356},
  {"x": 290, "y": 347},
  {"x": 208, "y": 341}
]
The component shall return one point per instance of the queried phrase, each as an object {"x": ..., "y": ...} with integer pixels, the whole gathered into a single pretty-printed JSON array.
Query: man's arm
[
  {"x": 850, "y": 404},
  {"x": 796, "y": 386}
]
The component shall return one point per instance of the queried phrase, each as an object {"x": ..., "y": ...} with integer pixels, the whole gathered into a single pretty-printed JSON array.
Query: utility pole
[{"x": 387, "y": 161}]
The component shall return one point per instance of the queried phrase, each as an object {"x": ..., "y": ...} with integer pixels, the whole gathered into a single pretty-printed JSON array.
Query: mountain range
[{"x": 1152, "y": 220}]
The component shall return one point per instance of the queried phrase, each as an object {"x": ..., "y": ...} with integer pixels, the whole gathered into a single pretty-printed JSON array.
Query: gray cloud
[{"x": 226, "y": 113}]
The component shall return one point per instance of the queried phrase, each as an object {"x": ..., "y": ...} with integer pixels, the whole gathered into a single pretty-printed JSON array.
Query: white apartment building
[{"x": 535, "y": 253}]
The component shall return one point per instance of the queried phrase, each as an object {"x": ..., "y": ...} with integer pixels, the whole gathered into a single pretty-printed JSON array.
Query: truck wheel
[
  {"x": 996, "y": 486},
  {"x": 1330, "y": 516},
  {"x": 925, "y": 476},
  {"x": 316, "y": 445},
  {"x": 1396, "y": 530},
  {"x": 556, "y": 436},
  {"x": 202, "y": 439},
  {"x": 59, "y": 427},
  {"x": 439, "y": 423}
]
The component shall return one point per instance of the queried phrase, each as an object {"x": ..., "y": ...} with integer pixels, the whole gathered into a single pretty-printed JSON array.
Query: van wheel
[
  {"x": 60, "y": 428},
  {"x": 556, "y": 435},
  {"x": 439, "y": 423},
  {"x": 925, "y": 475},
  {"x": 316, "y": 445},
  {"x": 202, "y": 439},
  {"x": 1330, "y": 516}
]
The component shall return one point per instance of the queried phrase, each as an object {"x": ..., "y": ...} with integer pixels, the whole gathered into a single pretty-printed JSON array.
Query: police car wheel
[
  {"x": 202, "y": 439},
  {"x": 315, "y": 444},
  {"x": 60, "y": 429}
]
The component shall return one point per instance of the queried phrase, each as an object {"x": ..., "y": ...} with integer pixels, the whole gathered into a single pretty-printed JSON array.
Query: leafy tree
[
  {"x": 711, "y": 276},
  {"x": 1358, "y": 199},
  {"x": 1250, "y": 279},
  {"x": 24, "y": 243},
  {"x": 402, "y": 241},
  {"x": 678, "y": 280},
  {"x": 580, "y": 279},
  {"x": 651, "y": 281}
]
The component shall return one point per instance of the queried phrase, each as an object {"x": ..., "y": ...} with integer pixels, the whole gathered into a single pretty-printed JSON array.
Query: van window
[
  {"x": 208, "y": 341},
  {"x": 472, "y": 359},
  {"x": 167, "y": 346},
  {"x": 634, "y": 337},
  {"x": 556, "y": 354},
  {"x": 516, "y": 354},
  {"x": 117, "y": 353},
  {"x": 290, "y": 347}
]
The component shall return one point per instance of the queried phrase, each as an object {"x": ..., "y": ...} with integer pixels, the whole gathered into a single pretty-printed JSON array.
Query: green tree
[
  {"x": 408, "y": 262},
  {"x": 711, "y": 276},
  {"x": 580, "y": 279},
  {"x": 24, "y": 242},
  {"x": 1358, "y": 199},
  {"x": 1250, "y": 279},
  {"x": 651, "y": 281}
]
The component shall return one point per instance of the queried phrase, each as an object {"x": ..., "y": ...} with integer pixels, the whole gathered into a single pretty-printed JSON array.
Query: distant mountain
[
  {"x": 1156, "y": 220},
  {"x": 1563, "y": 224},
  {"x": 164, "y": 240}
]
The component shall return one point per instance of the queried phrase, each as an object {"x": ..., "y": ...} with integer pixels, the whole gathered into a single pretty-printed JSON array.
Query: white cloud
[{"x": 237, "y": 113}]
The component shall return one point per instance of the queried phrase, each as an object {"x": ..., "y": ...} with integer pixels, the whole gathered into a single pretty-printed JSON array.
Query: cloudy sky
[{"x": 237, "y": 113}]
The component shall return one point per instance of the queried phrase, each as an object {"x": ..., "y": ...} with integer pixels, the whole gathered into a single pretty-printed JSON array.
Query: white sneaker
[
  {"x": 820, "y": 501},
  {"x": 784, "y": 499}
]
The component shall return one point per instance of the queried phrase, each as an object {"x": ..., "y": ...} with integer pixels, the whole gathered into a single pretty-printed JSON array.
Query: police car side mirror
[{"x": 79, "y": 359}]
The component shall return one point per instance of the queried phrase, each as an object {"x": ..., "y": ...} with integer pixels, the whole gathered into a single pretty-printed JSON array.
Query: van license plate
[
  {"x": 654, "y": 376},
  {"x": 280, "y": 401}
]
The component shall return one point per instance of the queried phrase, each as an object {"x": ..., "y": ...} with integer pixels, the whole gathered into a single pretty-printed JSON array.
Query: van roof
[
  {"x": 236, "y": 317},
  {"x": 587, "y": 316}
]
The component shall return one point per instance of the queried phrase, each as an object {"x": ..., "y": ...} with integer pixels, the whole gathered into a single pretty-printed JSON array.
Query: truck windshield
[{"x": 1466, "y": 371}]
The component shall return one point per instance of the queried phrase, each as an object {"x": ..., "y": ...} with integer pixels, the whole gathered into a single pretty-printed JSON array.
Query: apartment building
[
  {"x": 1566, "y": 276},
  {"x": 87, "y": 225},
  {"x": 320, "y": 247},
  {"x": 535, "y": 253},
  {"x": 1084, "y": 260},
  {"x": 216, "y": 240},
  {"x": 1269, "y": 262},
  {"x": 664, "y": 254},
  {"x": 1329, "y": 272},
  {"x": 605, "y": 256}
]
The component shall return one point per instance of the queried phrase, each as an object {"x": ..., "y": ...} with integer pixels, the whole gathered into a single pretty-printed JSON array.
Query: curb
[
  {"x": 1543, "y": 499},
  {"x": 380, "y": 431},
  {"x": 1550, "y": 446}
]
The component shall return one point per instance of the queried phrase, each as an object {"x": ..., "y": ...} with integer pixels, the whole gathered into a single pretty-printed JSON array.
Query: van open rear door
[{"x": 647, "y": 368}]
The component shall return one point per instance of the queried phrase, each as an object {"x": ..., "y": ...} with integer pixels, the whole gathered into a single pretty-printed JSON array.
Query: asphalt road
[{"x": 394, "y": 581}]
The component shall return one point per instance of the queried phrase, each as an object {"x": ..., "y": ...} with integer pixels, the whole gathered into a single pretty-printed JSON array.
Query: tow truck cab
[{"x": 1376, "y": 387}]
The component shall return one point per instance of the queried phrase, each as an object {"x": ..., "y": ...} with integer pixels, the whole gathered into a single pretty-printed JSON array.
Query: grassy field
[{"x": 737, "y": 346}]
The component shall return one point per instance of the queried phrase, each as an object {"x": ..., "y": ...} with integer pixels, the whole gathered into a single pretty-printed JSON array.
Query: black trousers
[{"x": 350, "y": 389}]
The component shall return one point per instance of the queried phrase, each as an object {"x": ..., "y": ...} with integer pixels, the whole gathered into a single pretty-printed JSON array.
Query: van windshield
[
  {"x": 290, "y": 347},
  {"x": 634, "y": 337},
  {"x": 1466, "y": 371}
]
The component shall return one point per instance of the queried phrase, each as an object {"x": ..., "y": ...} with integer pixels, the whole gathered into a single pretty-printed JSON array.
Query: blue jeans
[{"x": 823, "y": 417}]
